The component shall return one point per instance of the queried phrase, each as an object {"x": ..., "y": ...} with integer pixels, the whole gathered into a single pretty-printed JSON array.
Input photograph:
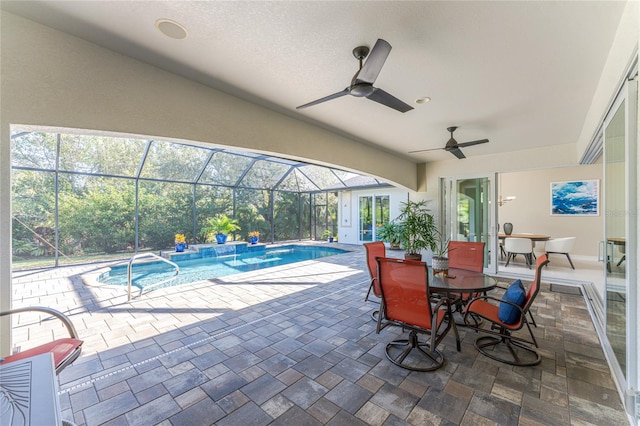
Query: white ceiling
[{"x": 521, "y": 74}]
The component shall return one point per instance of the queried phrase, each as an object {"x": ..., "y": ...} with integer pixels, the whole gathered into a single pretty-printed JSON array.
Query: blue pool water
[{"x": 199, "y": 269}]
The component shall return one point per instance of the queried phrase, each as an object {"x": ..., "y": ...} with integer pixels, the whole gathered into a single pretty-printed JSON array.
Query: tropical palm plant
[{"x": 419, "y": 228}]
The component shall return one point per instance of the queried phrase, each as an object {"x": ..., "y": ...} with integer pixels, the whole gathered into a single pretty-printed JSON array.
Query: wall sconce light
[{"x": 505, "y": 200}]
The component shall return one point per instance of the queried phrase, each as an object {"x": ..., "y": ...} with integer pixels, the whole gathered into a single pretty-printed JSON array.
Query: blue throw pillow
[{"x": 509, "y": 314}]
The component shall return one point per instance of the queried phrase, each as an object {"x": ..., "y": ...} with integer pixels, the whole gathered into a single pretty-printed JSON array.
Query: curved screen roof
[{"x": 176, "y": 162}]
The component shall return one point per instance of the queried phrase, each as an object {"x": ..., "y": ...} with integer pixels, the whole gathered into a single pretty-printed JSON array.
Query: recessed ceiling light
[
  {"x": 171, "y": 29},
  {"x": 423, "y": 100}
]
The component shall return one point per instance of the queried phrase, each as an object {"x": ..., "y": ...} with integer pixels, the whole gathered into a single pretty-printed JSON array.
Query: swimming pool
[{"x": 146, "y": 275}]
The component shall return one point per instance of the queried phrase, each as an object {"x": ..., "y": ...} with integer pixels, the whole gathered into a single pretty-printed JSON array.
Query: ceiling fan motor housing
[{"x": 361, "y": 89}]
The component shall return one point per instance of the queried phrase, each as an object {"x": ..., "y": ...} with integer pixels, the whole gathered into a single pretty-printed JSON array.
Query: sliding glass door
[
  {"x": 373, "y": 213},
  {"x": 468, "y": 214},
  {"x": 620, "y": 232},
  {"x": 615, "y": 231}
]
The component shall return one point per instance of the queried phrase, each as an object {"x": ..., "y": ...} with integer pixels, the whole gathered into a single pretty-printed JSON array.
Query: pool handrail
[{"x": 137, "y": 256}]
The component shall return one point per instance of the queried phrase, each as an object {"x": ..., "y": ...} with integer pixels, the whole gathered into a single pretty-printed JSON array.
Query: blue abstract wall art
[{"x": 575, "y": 198}]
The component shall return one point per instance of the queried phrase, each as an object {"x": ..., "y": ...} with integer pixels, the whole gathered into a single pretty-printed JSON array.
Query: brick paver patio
[{"x": 296, "y": 345}]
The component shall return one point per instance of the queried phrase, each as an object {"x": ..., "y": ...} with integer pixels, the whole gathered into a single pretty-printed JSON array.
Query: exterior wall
[
  {"x": 50, "y": 78},
  {"x": 348, "y": 214},
  {"x": 623, "y": 49}
]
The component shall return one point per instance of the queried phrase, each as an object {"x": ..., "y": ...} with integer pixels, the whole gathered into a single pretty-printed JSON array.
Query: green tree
[{"x": 102, "y": 219}]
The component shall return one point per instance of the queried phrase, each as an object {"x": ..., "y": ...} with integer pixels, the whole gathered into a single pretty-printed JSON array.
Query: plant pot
[
  {"x": 254, "y": 240},
  {"x": 180, "y": 247},
  {"x": 394, "y": 246},
  {"x": 330, "y": 239},
  {"x": 508, "y": 228},
  {"x": 221, "y": 238},
  {"x": 439, "y": 264},
  {"x": 410, "y": 256}
]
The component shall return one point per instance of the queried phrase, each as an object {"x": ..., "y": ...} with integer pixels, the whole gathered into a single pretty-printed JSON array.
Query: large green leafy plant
[
  {"x": 419, "y": 229},
  {"x": 220, "y": 224},
  {"x": 391, "y": 232}
]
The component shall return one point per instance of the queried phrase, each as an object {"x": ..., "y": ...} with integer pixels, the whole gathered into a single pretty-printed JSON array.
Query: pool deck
[{"x": 295, "y": 344}]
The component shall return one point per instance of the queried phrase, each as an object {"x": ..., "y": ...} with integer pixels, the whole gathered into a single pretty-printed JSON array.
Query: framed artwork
[{"x": 575, "y": 198}]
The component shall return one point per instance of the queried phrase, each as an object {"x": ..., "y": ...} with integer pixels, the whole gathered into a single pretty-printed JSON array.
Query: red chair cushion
[
  {"x": 61, "y": 349},
  {"x": 489, "y": 311}
]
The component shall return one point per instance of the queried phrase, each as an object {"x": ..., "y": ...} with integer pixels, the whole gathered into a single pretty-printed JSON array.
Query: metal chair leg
[{"x": 571, "y": 263}]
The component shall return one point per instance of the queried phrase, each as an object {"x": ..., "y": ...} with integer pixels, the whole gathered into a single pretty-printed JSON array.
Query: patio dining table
[
  {"x": 462, "y": 281},
  {"x": 458, "y": 283}
]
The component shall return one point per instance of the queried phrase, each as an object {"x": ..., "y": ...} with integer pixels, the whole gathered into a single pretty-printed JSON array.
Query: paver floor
[{"x": 296, "y": 345}]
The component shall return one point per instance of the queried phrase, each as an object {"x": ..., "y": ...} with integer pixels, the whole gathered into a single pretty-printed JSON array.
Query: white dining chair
[
  {"x": 562, "y": 245},
  {"x": 515, "y": 246}
]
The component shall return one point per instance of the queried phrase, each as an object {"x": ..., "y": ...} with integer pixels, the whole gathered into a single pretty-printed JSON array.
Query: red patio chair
[
  {"x": 374, "y": 250},
  {"x": 404, "y": 287},
  {"x": 64, "y": 350},
  {"x": 502, "y": 345},
  {"x": 467, "y": 255}
]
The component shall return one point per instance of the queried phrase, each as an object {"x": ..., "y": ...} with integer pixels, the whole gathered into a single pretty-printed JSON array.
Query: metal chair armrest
[{"x": 62, "y": 317}]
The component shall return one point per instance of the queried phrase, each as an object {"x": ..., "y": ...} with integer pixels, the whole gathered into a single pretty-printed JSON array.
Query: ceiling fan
[
  {"x": 453, "y": 146},
  {"x": 362, "y": 82}
]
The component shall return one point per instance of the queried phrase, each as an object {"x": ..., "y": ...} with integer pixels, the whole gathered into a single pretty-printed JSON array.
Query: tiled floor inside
[{"x": 296, "y": 345}]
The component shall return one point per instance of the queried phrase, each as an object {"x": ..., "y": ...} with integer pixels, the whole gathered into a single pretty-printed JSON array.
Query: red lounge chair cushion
[{"x": 61, "y": 349}]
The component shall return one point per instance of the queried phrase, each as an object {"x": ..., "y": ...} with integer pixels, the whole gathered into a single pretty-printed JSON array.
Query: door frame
[{"x": 448, "y": 213}]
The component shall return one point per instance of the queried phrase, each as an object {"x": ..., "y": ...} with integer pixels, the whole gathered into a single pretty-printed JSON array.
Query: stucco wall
[{"x": 53, "y": 79}]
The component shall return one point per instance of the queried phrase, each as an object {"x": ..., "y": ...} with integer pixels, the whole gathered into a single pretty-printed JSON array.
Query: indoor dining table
[{"x": 532, "y": 237}]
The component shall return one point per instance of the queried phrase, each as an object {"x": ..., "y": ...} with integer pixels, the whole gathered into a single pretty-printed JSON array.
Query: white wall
[{"x": 530, "y": 211}]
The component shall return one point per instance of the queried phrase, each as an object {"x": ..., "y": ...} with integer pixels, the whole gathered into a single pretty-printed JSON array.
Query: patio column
[{"x": 5, "y": 240}]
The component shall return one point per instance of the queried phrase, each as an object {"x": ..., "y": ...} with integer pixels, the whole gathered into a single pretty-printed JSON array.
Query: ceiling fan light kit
[{"x": 362, "y": 82}]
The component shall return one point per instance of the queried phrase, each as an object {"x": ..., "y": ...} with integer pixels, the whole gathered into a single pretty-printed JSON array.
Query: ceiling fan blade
[
  {"x": 326, "y": 98},
  {"x": 374, "y": 62},
  {"x": 425, "y": 150},
  {"x": 384, "y": 98},
  {"x": 457, "y": 153},
  {"x": 478, "y": 142}
]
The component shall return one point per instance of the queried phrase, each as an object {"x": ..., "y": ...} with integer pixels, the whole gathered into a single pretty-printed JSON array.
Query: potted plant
[
  {"x": 254, "y": 236},
  {"x": 328, "y": 235},
  {"x": 219, "y": 226},
  {"x": 180, "y": 242},
  {"x": 419, "y": 229},
  {"x": 391, "y": 232},
  {"x": 440, "y": 258}
]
